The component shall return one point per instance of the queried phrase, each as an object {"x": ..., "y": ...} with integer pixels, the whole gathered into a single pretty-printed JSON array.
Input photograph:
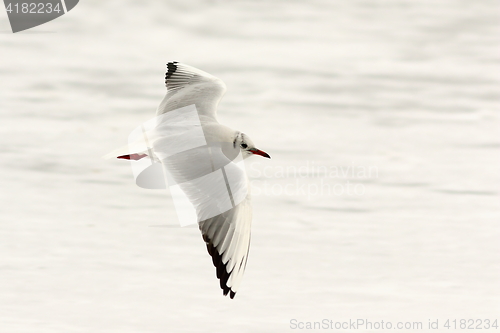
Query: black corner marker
[{"x": 25, "y": 15}]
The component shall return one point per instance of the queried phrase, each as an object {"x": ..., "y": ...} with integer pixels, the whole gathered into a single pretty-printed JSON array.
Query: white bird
[{"x": 223, "y": 208}]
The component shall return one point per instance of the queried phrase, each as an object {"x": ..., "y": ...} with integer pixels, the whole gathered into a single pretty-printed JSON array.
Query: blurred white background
[{"x": 410, "y": 89}]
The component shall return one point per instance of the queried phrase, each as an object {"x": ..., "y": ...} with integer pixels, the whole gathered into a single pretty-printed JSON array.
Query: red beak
[
  {"x": 134, "y": 157},
  {"x": 259, "y": 152}
]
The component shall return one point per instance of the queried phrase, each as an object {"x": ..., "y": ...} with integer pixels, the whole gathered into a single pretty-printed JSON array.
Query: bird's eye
[{"x": 243, "y": 145}]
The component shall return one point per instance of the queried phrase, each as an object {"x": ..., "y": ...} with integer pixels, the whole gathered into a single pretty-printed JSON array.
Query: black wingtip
[
  {"x": 220, "y": 267},
  {"x": 171, "y": 68}
]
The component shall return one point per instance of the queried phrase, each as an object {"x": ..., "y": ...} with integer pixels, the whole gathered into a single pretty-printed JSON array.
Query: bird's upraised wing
[{"x": 187, "y": 85}]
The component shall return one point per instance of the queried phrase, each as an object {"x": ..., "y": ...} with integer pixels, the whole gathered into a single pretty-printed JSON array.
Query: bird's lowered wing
[{"x": 228, "y": 241}]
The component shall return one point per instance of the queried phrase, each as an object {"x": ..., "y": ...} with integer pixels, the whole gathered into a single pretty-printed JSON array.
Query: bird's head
[{"x": 247, "y": 147}]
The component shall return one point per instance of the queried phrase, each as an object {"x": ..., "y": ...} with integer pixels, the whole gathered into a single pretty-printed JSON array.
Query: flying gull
[{"x": 202, "y": 158}]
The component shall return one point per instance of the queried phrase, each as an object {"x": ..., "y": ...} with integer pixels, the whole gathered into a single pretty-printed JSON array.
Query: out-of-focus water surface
[{"x": 381, "y": 200}]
